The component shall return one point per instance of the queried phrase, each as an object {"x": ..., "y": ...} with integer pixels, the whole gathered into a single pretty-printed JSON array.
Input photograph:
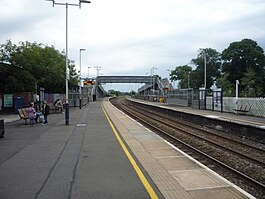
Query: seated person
[
  {"x": 59, "y": 105},
  {"x": 37, "y": 111}
]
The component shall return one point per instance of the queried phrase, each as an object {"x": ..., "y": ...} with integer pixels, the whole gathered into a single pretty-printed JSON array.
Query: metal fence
[
  {"x": 73, "y": 97},
  {"x": 180, "y": 97},
  {"x": 230, "y": 104},
  {"x": 189, "y": 97}
]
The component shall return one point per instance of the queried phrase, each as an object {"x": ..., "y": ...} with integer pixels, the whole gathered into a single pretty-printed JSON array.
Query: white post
[
  {"x": 80, "y": 86},
  {"x": 205, "y": 72},
  {"x": 153, "y": 80},
  {"x": 237, "y": 83},
  {"x": 236, "y": 101},
  {"x": 188, "y": 80},
  {"x": 151, "y": 74},
  {"x": 66, "y": 57},
  {"x": 88, "y": 71}
]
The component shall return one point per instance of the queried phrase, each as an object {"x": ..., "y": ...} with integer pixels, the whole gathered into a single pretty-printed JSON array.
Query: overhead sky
[{"x": 126, "y": 37}]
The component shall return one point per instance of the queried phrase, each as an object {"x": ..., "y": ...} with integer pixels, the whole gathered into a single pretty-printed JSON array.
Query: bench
[
  {"x": 243, "y": 109},
  {"x": 23, "y": 114},
  {"x": 55, "y": 109},
  {"x": 52, "y": 108}
]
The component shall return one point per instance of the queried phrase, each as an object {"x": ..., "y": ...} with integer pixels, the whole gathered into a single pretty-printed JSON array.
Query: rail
[{"x": 158, "y": 126}]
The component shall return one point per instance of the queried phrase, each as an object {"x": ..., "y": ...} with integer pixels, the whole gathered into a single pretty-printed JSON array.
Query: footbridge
[
  {"x": 147, "y": 80},
  {"x": 125, "y": 79},
  {"x": 151, "y": 83}
]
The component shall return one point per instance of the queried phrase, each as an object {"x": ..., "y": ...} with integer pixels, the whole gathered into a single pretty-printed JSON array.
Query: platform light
[
  {"x": 66, "y": 53},
  {"x": 86, "y": 82}
]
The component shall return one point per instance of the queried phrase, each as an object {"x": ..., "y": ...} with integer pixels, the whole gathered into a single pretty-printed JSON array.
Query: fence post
[{"x": 221, "y": 100}]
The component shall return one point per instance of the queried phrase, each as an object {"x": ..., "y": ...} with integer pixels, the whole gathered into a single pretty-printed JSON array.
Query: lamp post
[
  {"x": 169, "y": 72},
  {"x": 205, "y": 81},
  {"x": 98, "y": 68},
  {"x": 66, "y": 53},
  {"x": 88, "y": 71},
  {"x": 80, "y": 87}
]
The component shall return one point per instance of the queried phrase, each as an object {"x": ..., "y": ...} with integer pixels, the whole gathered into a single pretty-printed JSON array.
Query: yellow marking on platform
[{"x": 140, "y": 174}]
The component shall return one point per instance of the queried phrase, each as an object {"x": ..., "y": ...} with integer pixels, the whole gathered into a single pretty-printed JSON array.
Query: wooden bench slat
[{"x": 23, "y": 114}]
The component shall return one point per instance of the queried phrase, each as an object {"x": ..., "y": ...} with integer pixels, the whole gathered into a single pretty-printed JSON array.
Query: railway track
[
  {"x": 244, "y": 164},
  {"x": 254, "y": 154}
]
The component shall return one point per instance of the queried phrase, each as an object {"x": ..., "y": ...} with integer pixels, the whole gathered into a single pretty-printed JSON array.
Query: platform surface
[
  {"x": 86, "y": 160},
  {"x": 229, "y": 117},
  {"x": 176, "y": 174},
  {"x": 80, "y": 160}
]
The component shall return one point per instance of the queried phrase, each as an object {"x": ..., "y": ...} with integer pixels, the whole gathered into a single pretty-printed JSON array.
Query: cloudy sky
[{"x": 126, "y": 37}]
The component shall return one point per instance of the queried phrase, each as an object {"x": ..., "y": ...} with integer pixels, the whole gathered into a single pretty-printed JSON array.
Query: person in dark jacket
[
  {"x": 45, "y": 111},
  {"x": 37, "y": 111}
]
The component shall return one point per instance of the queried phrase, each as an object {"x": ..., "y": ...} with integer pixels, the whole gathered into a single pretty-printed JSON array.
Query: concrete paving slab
[
  {"x": 217, "y": 193},
  {"x": 154, "y": 144},
  {"x": 177, "y": 163},
  {"x": 141, "y": 132},
  {"x": 197, "y": 179},
  {"x": 164, "y": 152},
  {"x": 147, "y": 137}
]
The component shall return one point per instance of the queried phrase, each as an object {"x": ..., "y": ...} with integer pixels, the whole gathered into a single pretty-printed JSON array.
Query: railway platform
[
  {"x": 241, "y": 119},
  {"x": 101, "y": 154},
  {"x": 176, "y": 174},
  {"x": 80, "y": 160}
]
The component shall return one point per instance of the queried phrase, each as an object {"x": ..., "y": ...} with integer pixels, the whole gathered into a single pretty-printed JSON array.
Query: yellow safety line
[{"x": 146, "y": 184}]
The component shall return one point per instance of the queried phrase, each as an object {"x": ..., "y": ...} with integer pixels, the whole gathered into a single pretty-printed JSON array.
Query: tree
[
  {"x": 225, "y": 84},
  {"x": 13, "y": 76},
  {"x": 238, "y": 58},
  {"x": 33, "y": 65},
  {"x": 213, "y": 64},
  {"x": 182, "y": 74},
  {"x": 248, "y": 82},
  {"x": 73, "y": 81}
]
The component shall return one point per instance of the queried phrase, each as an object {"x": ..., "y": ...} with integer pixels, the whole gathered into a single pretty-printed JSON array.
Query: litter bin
[
  {"x": 2, "y": 128},
  {"x": 18, "y": 103}
]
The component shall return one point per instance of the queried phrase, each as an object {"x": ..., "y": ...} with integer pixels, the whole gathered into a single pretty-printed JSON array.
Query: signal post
[{"x": 89, "y": 84}]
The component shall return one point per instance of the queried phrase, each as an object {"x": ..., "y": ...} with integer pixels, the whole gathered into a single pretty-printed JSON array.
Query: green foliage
[
  {"x": 245, "y": 61},
  {"x": 226, "y": 85},
  {"x": 195, "y": 78},
  {"x": 248, "y": 81},
  {"x": 182, "y": 74},
  {"x": 30, "y": 65},
  {"x": 213, "y": 63}
]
